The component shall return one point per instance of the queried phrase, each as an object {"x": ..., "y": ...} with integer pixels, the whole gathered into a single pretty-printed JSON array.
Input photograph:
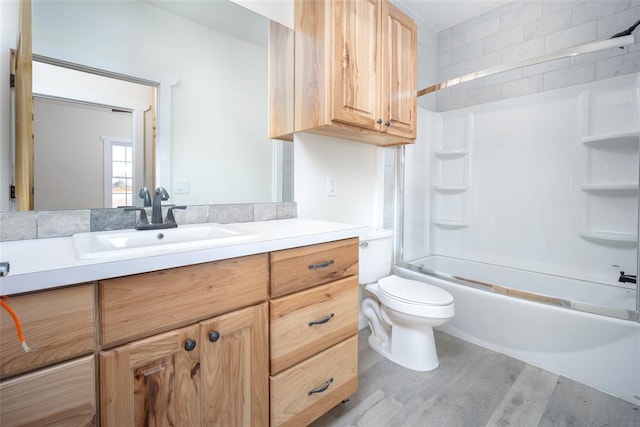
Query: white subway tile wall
[{"x": 525, "y": 29}]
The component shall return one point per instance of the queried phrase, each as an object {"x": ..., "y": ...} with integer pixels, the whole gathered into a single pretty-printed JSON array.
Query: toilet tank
[{"x": 376, "y": 251}]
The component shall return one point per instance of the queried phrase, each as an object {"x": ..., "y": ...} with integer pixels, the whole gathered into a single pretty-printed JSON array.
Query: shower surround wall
[
  {"x": 546, "y": 182},
  {"x": 526, "y": 29}
]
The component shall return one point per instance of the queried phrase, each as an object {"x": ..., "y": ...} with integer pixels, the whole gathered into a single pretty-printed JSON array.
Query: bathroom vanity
[{"x": 261, "y": 332}]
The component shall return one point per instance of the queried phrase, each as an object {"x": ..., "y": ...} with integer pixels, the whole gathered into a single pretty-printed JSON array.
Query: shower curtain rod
[{"x": 619, "y": 41}]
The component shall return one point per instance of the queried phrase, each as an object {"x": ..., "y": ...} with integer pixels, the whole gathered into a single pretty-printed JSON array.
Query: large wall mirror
[{"x": 206, "y": 61}]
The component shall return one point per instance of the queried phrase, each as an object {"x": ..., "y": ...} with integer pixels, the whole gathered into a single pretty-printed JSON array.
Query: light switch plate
[{"x": 181, "y": 186}]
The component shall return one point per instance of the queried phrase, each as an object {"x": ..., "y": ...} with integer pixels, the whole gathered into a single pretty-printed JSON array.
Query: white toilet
[{"x": 401, "y": 312}]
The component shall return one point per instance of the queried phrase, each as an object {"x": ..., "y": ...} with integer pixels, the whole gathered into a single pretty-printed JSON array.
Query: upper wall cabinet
[{"x": 355, "y": 71}]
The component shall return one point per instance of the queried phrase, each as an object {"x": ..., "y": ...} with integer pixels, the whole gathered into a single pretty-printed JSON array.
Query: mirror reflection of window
[
  {"x": 75, "y": 114},
  {"x": 120, "y": 174}
]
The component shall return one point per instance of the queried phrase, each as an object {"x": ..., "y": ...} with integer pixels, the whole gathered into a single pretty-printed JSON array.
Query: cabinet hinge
[
  {"x": 12, "y": 191},
  {"x": 12, "y": 80}
]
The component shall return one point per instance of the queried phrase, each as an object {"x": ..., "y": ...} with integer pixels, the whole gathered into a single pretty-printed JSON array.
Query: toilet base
[{"x": 413, "y": 348}]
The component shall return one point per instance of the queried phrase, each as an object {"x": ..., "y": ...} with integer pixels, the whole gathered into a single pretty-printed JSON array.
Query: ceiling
[
  {"x": 442, "y": 14},
  {"x": 435, "y": 14}
]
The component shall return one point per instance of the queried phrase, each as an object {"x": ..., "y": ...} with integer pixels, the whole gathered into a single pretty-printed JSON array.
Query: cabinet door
[
  {"x": 399, "y": 41},
  {"x": 355, "y": 64},
  {"x": 235, "y": 390},
  {"x": 152, "y": 382}
]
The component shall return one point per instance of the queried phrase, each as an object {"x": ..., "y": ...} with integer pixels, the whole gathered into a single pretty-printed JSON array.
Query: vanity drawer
[
  {"x": 137, "y": 306},
  {"x": 337, "y": 368},
  {"x": 59, "y": 395},
  {"x": 57, "y": 324},
  {"x": 308, "y": 266},
  {"x": 334, "y": 308}
]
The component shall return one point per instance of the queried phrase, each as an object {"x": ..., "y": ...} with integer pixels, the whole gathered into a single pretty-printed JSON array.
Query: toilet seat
[
  {"x": 413, "y": 292},
  {"x": 395, "y": 293}
]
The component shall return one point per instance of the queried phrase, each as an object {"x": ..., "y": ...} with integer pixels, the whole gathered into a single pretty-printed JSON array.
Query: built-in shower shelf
[
  {"x": 450, "y": 224},
  {"x": 609, "y": 236},
  {"x": 613, "y": 140},
  {"x": 450, "y": 188},
  {"x": 615, "y": 188},
  {"x": 451, "y": 154}
]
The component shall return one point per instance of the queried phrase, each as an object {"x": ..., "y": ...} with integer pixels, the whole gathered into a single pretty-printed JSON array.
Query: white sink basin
[{"x": 103, "y": 244}]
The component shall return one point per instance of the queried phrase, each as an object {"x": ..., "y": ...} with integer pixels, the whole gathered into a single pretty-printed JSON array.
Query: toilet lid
[{"x": 412, "y": 291}]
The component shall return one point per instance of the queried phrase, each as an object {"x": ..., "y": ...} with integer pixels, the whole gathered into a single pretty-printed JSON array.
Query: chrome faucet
[{"x": 156, "y": 208}]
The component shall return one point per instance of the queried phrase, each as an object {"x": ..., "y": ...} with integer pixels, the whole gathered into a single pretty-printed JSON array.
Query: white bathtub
[{"x": 600, "y": 351}]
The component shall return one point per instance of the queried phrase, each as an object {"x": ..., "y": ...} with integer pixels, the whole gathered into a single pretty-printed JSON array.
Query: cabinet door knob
[
  {"x": 379, "y": 121},
  {"x": 214, "y": 336},
  {"x": 321, "y": 321},
  {"x": 190, "y": 345},
  {"x": 320, "y": 389},
  {"x": 387, "y": 123}
]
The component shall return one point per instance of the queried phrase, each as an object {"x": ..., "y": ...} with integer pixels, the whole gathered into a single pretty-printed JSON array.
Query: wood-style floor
[{"x": 472, "y": 386}]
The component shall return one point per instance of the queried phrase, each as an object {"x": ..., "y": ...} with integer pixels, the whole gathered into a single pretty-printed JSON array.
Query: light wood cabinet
[
  {"x": 57, "y": 324},
  {"x": 235, "y": 368},
  {"x": 59, "y": 395},
  {"x": 136, "y": 306},
  {"x": 59, "y": 327},
  {"x": 307, "y": 390},
  {"x": 299, "y": 268},
  {"x": 280, "y": 68},
  {"x": 210, "y": 373},
  {"x": 189, "y": 346},
  {"x": 313, "y": 321},
  {"x": 303, "y": 323},
  {"x": 355, "y": 71}
]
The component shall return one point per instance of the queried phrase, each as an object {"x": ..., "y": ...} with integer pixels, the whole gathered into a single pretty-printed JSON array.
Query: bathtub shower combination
[{"x": 526, "y": 211}]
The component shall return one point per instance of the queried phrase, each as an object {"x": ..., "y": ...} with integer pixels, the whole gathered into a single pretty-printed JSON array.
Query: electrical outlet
[{"x": 331, "y": 187}]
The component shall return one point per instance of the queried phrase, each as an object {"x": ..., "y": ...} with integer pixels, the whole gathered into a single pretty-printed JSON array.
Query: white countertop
[{"x": 47, "y": 263}]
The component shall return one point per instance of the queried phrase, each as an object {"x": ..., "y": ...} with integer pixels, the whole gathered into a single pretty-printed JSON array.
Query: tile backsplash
[{"x": 64, "y": 223}]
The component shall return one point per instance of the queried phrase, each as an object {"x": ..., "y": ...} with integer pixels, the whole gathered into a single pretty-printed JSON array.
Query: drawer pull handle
[
  {"x": 321, "y": 321},
  {"x": 321, "y": 265},
  {"x": 214, "y": 336},
  {"x": 320, "y": 389},
  {"x": 190, "y": 345}
]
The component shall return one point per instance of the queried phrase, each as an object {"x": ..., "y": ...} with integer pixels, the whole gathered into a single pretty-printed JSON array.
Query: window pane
[
  {"x": 118, "y": 185},
  {"x": 119, "y": 169},
  {"x": 118, "y": 153},
  {"x": 121, "y": 174},
  {"x": 119, "y": 200}
]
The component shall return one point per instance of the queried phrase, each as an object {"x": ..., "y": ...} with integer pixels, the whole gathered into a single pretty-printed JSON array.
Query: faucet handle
[
  {"x": 142, "y": 219},
  {"x": 170, "y": 218}
]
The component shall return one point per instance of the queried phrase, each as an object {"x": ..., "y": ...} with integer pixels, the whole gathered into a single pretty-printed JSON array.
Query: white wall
[{"x": 357, "y": 169}]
